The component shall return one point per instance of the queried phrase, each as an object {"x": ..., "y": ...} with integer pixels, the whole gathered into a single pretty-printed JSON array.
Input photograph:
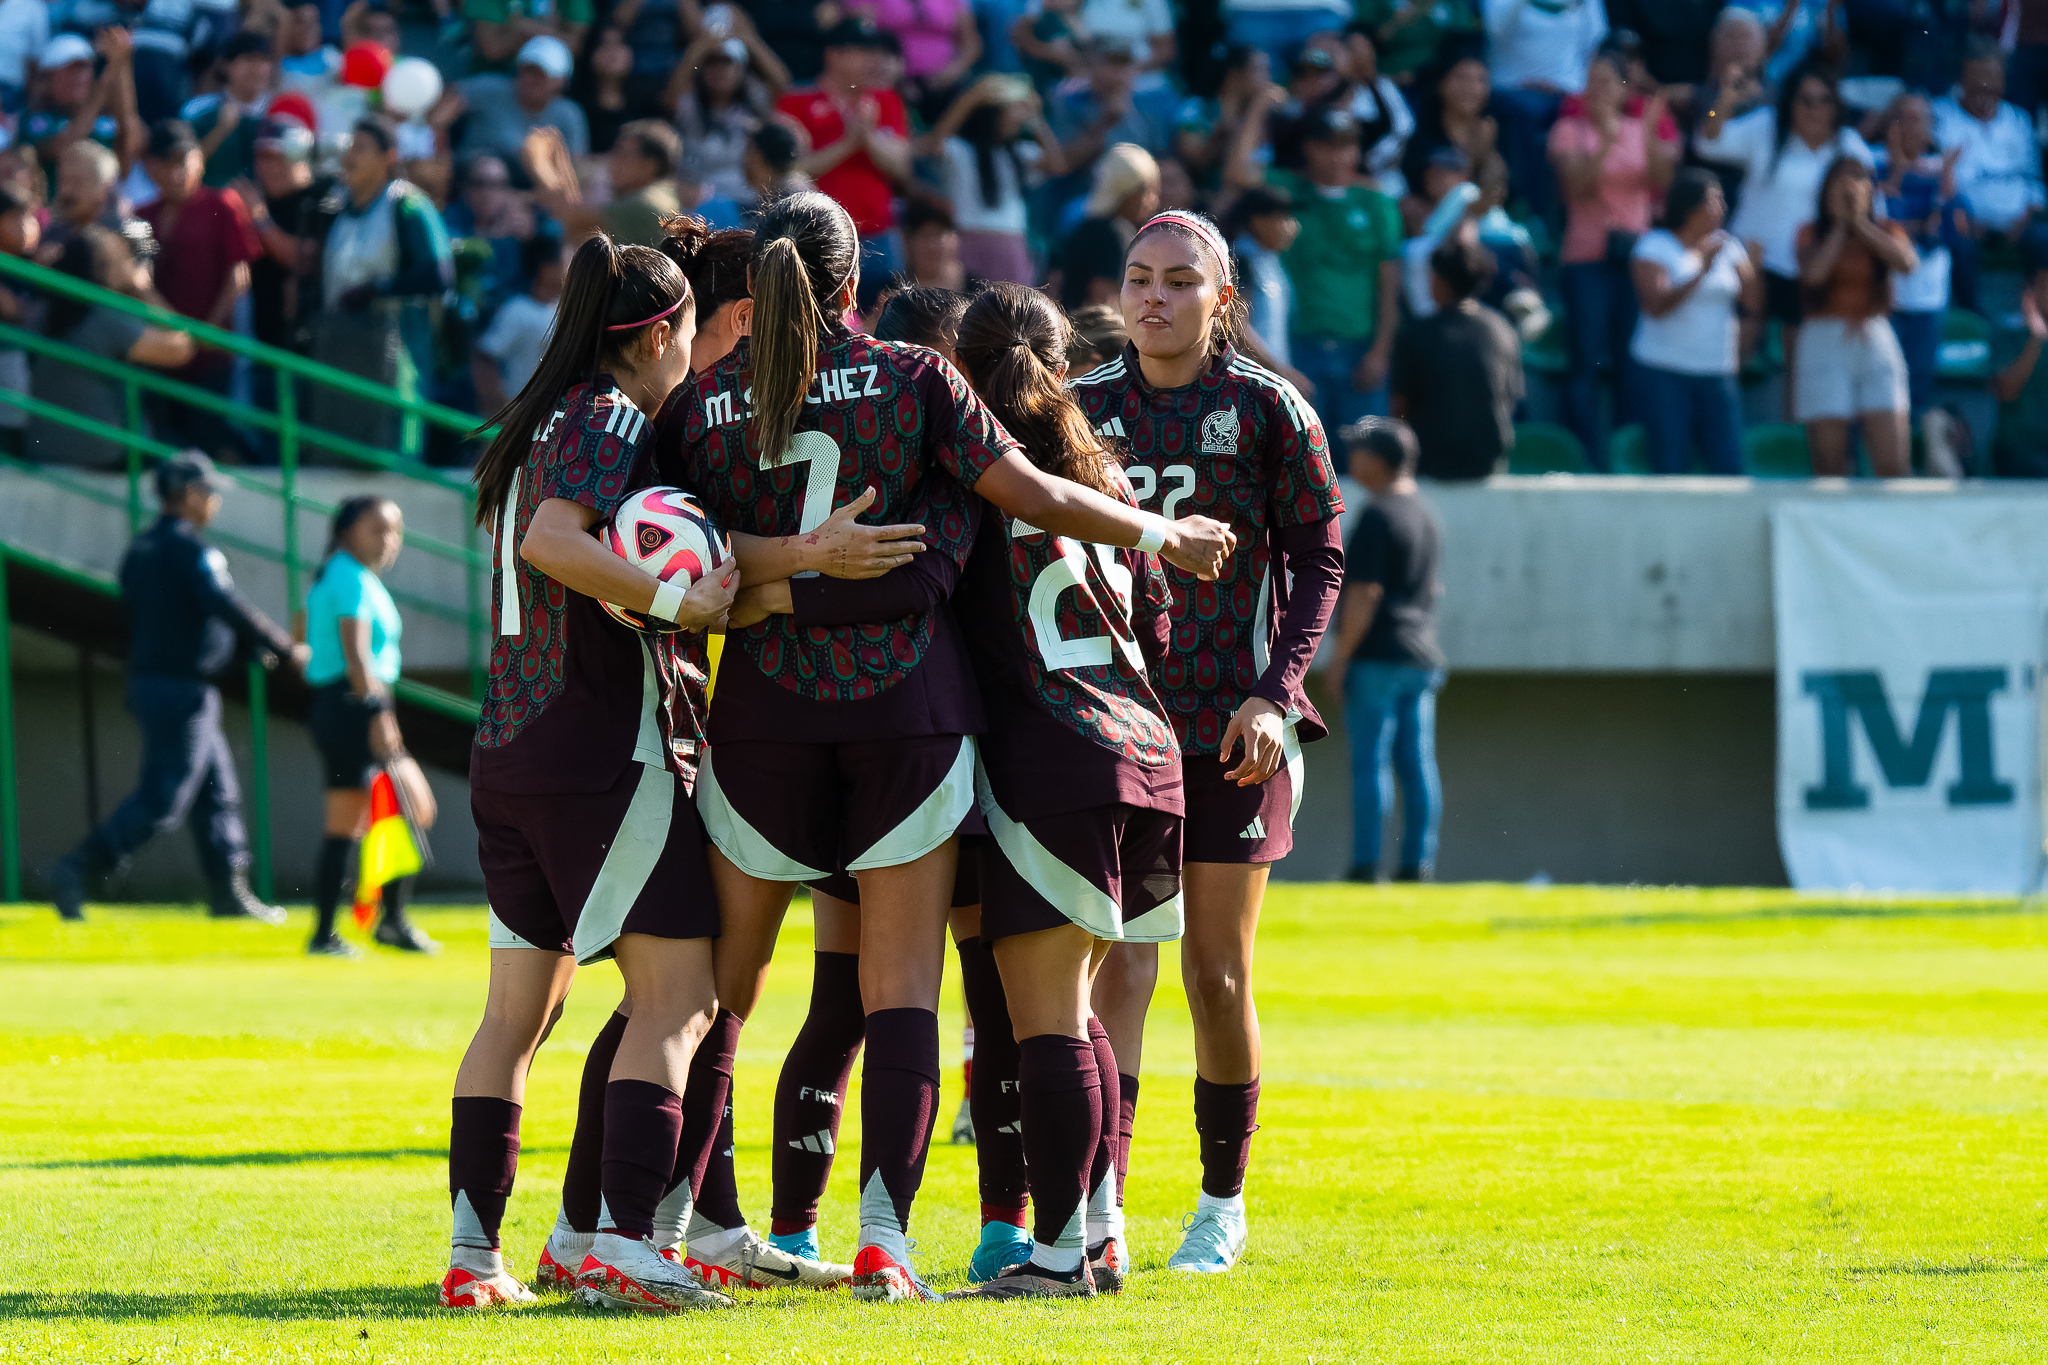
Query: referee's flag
[{"x": 391, "y": 849}]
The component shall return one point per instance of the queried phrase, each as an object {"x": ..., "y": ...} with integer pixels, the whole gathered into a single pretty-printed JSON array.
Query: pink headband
[
  {"x": 1205, "y": 234},
  {"x": 629, "y": 326}
]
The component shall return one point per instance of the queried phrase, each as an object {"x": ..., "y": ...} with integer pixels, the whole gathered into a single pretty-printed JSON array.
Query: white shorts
[{"x": 1847, "y": 369}]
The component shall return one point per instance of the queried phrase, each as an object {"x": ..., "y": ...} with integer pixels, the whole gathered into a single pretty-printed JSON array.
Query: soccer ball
[{"x": 664, "y": 534}]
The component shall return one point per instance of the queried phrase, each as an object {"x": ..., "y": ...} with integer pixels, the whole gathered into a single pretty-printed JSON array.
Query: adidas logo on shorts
[
  {"x": 1256, "y": 829},
  {"x": 820, "y": 1142}
]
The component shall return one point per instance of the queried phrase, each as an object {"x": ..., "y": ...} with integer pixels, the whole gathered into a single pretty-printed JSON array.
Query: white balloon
[{"x": 411, "y": 87}]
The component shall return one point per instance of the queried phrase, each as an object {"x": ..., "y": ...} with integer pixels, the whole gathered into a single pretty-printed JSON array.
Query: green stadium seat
[
  {"x": 1546, "y": 448},
  {"x": 1550, "y": 353},
  {"x": 1628, "y": 451},
  {"x": 1776, "y": 451},
  {"x": 1965, "y": 347}
]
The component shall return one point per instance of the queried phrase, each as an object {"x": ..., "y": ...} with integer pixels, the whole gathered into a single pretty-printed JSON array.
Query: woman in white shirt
[
  {"x": 1689, "y": 277},
  {"x": 994, "y": 137},
  {"x": 1784, "y": 152}
]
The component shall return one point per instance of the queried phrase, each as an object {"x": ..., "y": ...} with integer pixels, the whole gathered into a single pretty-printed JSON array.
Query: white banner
[{"x": 1909, "y": 637}]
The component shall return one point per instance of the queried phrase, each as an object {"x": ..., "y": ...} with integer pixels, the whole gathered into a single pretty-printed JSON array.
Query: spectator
[
  {"x": 1412, "y": 38},
  {"x": 307, "y": 63},
  {"x": 289, "y": 206},
  {"x": 1260, "y": 227},
  {"x": 1098, "y": 337},
  {"x": 1313, "y": 84},
  {"x": 387, "y": 265},
  {"x": 206, "y": 236},
  {"x": 860, "y": 152},
  {"x": 24, "y": 33},
  {"x": 608, "y": 105},
  {"x": 1449, "y": 200},
  {"x": 1384, "y": 120},
  {"x": 74, "y": 105},
  {"x": 186, "y": 625},
  {"x": 500, "y": 110},
  {"x": 773, "y": 154},
  {"x": 1090, "y": 267},
  {"x": 1206, "y": 128},
  {"x": 988, "y": 161},
  {"x": 502, "y": 31},
  {"x": 2019, "y": 448},
  {"x": 931, "y": 244},
  {"x": 652, "y": 37},
  {"x": 1102, "y": 113},
  {"x": 86, "y": 178},
  {"x": 1735, "y": 59},
  {"x": 489, "y": 209},
  {"x": 1281, "y": 27},
  {"x": 1798, "y": 33},
  {"x": 1918, "y": 190},
  {"x": 1999, "y": 171},
  {"x": 1145, "y": 27},
  {"x": 1675, "y": 36},
  {"x": 643, "y": 176},
  {"x": 1386, "y": 664},
  {"x": 1540, "y": 51},
  {"x": 225, "y": 121},
  {"x": 941, "y": 44},
  {"x": 101, "y": 257},
  {"x": 1048, "y": 35},
  {"x": 795, "y": 30},
  {"x": 1345, "y": 265},
  {"x": 1458, "y": 372},
  {"x": 1453, "y": 114},
  {"x": 20, "y": 235},
  {"x": 1176, "y": 186},
  {"x": 1850, "y": 367},
  {"x": 510, "y": 349},
  {"x": 1691, "y": 277},
  {"x": 2028, "y": 69},
  {"x": 160, "y": 35},
  {"x": 1784, "y": 151},
  {"x": 1609, "y": 164},
  {"x": 717, "y": 103}
]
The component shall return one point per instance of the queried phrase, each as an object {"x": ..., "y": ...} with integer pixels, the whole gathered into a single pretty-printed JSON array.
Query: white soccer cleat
[
  {"x": 1214, "y": 1237},
  {"x": 628, "y": 1273},
  {"x": 879, "y": 1277},
  {"x": 552, "y": 1274},
  {"x": 482, "y": 1279},
  {"x": 750, "y": 1261}
]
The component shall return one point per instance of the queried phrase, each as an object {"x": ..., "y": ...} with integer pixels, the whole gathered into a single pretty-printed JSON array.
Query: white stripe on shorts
[
  {"x": 1072, "y": 894},
  {"x": 503, "y": 937},
  {"x": 936, "y": 819},
  {"x": 636, "y": 848},
  {"x": 746, "y": 846},
  {"x": 1290, "y": 751}
]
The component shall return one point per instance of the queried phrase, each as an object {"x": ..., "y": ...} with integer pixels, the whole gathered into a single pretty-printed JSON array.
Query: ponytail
[
  {"x": 610, "y": 297},
  {"x": 805, "y": 253},
  {"x": 1012, "y": 347}
]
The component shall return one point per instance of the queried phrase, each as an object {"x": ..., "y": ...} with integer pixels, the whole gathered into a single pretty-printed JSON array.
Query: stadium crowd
[{"x": 1682, "y": 216}]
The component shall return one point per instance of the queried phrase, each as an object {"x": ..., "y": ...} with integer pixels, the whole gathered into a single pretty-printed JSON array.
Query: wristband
[
  {"x": 1153, "y": 537},
  {"x": 668, "y": 602}
]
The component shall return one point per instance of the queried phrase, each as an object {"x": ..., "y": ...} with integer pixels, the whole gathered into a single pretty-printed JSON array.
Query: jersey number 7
[{"x": 821, "y": 453}]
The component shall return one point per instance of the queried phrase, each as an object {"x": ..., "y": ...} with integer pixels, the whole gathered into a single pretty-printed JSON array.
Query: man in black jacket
[{"x": 185, "y": 622}]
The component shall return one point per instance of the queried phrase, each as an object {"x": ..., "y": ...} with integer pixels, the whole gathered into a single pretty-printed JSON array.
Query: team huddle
[{"x": 957, "y": 640}]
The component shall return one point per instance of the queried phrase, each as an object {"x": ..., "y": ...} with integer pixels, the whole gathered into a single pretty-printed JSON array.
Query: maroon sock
[
  {"x": 998, "y": 1132},
  {"x": 642, "y": 1124},
  {"x": 899, "y": 1097},
  {"x": 718, "y": 1193},
  {"x": 707, "y": 1094},
  {"x": 1104, "y": 1161},
  {"x": 483, "y": 1156},
  {"x": 1226, "y": 1116},
  {"x": 1127, "y": 1120},
  {"x": 586, "y": 1148},
  {"x": 1062, "y": 1127},
  {"x": 811, "y": 1088}
]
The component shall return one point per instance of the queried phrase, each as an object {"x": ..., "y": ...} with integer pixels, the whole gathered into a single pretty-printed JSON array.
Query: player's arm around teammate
[
  {"x": 1212, "y": 430},
  {"x": 589, "y": 845}
]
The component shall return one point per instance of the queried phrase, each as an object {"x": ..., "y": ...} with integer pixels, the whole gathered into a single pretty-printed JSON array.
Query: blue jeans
[
  {"x": 1390, "y": 713},
  {"x": 1524, "y": 117},
  {"x": 1329, "y": 363},
  {"x": 1920, "y": 338},
  {"x": 188, "y": 777},
  {"x": 1282, "y": 32},
  {"x": 1600, "y": 313},
  {"x": 1687, "y": 412}
]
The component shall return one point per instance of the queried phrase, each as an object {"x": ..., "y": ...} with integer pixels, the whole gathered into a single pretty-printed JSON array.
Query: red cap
[
  {"x": 293, "y": 105},
  {"x": 366, "y": 65}
]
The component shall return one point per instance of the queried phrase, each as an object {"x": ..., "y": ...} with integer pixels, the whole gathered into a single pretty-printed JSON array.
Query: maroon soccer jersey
[
  {"x": 881, "y": 414},
  {"x": 1241, "y": 446},
  {"x": 575, "y": 695},
  {"x": 1062, "y": 632}
]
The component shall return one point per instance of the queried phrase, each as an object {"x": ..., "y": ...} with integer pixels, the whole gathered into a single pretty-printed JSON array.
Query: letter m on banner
[{"x": 1858, "y": 697}]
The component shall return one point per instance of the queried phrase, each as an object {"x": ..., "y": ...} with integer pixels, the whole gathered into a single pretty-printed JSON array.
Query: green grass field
[{"x": 1500, "y": 1124}]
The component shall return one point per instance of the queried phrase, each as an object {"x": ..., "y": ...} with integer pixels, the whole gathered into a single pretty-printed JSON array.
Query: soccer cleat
[
  {"x": 1030, "y": 1281},
  {"x": 879, "y": 1278},
  {"x": 1214, "y": 1239},
  {"x": 483, "y": 1288},
  {"x": 406, "y": 936},
  {"x": 752, "y": 1262},
  {"x": 67, "y": 887},
  {"x": 804, "y": 1244},
  {"x": 628, "y": 1273},
  {"x": 334, "y": 945},
  {"x": 550, "y": 1276},
  {"x": 231, "y": 898},
  {"x": 963, "y": 1125},
  {"x": 1109, "y": 1262},
  {"x": 1002, "y": 1246}
]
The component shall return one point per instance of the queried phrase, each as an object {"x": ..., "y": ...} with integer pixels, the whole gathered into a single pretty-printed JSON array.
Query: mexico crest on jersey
[{"x": 1219, "y": 432}]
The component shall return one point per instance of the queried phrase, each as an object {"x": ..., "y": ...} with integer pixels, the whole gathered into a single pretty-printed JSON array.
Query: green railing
[{"x": 295, "y": 374}]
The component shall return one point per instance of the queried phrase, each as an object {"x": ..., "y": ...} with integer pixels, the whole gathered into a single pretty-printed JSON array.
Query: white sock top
[{"x": 1234, "y": 1204}]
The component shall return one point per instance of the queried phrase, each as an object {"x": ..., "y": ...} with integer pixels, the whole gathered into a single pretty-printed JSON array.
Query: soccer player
[
  {"x": 1212, "y": 431},
  {"x": 842, "y": 730},
  {"x": 1081, "y": 786}
]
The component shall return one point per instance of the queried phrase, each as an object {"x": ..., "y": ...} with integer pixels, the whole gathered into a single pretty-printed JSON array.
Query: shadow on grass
[
  {"x": 171, "y": 1160},
  {"x": 1921, "y": 1268},
  {"x": 1524, "y": 924},
  {"x": 361, "y": 1301}
]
